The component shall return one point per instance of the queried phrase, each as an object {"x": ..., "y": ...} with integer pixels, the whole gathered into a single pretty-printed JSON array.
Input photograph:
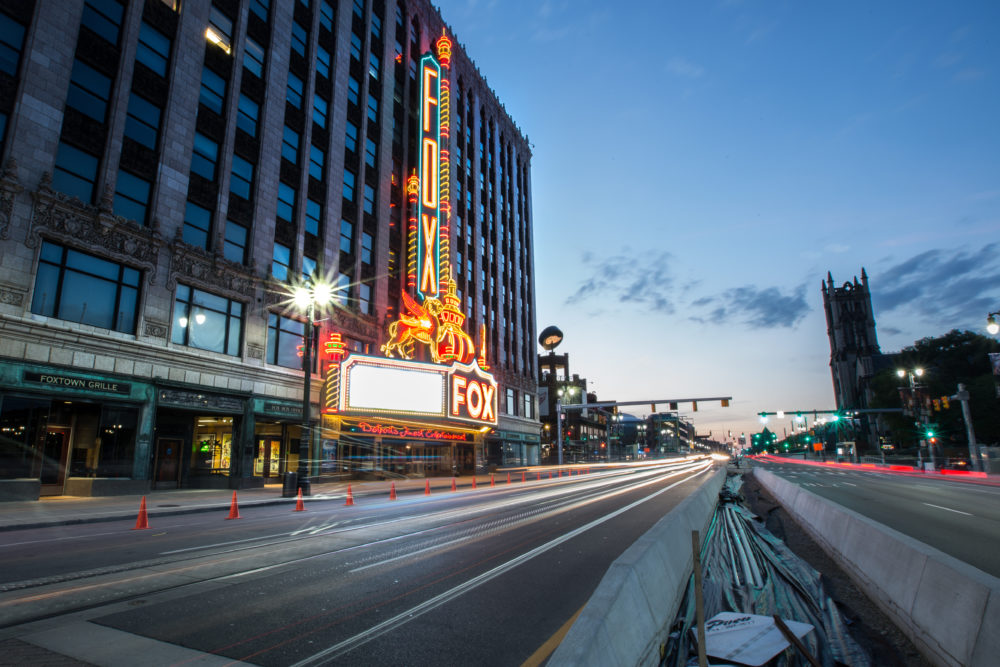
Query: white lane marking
[
  {"x": 438, "y": 600},
  {"x": 949, "y": 509}
]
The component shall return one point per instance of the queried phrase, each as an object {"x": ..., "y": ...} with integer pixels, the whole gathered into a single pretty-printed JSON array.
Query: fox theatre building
[{"x": 427, "y": 405}]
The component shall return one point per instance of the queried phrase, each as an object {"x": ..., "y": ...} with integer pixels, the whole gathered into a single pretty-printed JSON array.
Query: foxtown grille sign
[{"x": 401, "y": 387}]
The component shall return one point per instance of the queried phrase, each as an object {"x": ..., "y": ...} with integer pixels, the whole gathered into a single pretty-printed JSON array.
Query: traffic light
[
  {"x": 929, "y": 434},
  {"x": 945, "y": 403},
  {"x": 937, "y": 405},
  {"x": 725, "y": 402},
  {"x": 694, "y": 406},
  {"x": 673, "y": 405},
  {"x": 301, "y": 349}
]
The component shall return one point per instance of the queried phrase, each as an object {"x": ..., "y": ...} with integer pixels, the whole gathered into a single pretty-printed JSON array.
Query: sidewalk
[{"x": 66, "y": 510}]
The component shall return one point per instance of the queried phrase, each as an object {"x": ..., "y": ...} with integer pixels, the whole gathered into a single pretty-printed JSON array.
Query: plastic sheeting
[{"x": 748, "y": 570}]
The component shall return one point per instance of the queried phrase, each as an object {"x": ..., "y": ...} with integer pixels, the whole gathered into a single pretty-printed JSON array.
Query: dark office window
[
  {"x": 319, "y": 111},
  {"x": 294, "y": 93},
  {"x": 153, "y": 49},
  {"x": 355, "y": 47},
  {"x": 346, "y": 237},
  {"x": 142, "y": 124},
  {"x": 284, "y": 337},
  {"x": 367, "y": 246},
  {"x": 78, "y": 287},
  {"x": 372, "y": 108},
  {"x": 88, "y": 91},
  {"x": 376, "y": 26},
  {"x": 322, "y": 62},
  {"x": 359, "y": 8},
  {"x": 235, "y": 246},
  {"x": 349, "y": 180},
  {"x": 299, "y": 39},
  {"x": 369, "y": 199},
  {"x": 353, "y": 90},
  {"x": 308, "y": 267},
  {"x": 326, "y": 15},
  {"x": 317, "y": 162},
  {"x": 314, "y": 216},
  {"x": 213, "y": 90},
  {"x": 197, "y": 223},
  {"x": 365, "y": 298},
  {"x": 247, "y": 113},
  {"x": 11, "y": 43},
  {"x": 204, "y": 157},
  {"x": 290, "y": 145},
  {"x": 281, "y": 260},
  {"x": 286, "y": 202},
  {"x": 342, "y": 289},
  {"x": 371, "y": 151},
  {"x": 131, "y": 197},
  {"x": 253, "y": 57},
  {"x": 260, "y": 7},
  {"x": 351, "y": 138},
  {"x": 241, "y": 182},
  {"x": 104, "y": 17},
  {"x": 75, "y": 172},
  {"x": 374, "y": 65},
  {"x": 206, "y": 321}
]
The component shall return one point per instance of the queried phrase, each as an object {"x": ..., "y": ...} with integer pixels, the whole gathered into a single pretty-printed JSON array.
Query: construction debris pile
[{"x": 750, "y": 577}]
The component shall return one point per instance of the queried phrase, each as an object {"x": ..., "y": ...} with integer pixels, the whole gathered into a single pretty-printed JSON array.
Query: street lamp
[
  {"x": 912, "y": 375},
  {"x": 307, "y": 297},
  {"x": 991, "y": 323},
  {"x": 559, "y": 434}
]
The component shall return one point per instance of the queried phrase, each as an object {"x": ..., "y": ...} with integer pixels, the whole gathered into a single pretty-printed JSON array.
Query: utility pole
[{"x": 977, "y": 463}]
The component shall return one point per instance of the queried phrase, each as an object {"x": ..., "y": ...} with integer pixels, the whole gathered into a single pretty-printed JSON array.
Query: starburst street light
[{"x": 311, "y": 294}]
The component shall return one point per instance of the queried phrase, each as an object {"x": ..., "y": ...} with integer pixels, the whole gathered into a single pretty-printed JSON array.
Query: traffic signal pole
[{"x": 977, "y": 463}]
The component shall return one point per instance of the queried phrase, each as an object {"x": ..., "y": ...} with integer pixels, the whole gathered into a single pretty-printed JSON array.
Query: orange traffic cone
[
  {"x": 473, "y": 481},
  {"x": 392, "y": 491},
  {"x": 508, "y": 478},
  {"x": 453, "y": 486},
  {"x": 142, "y": 522},
  {"x": 492, "y": 481},
  {"x": 427, "y": 488},
  {"x": 299, "y": 507},
  {"x": 350, "y": 496},
  {"x": 522, "y": 476},
  {"x": 234, "y": 511}
]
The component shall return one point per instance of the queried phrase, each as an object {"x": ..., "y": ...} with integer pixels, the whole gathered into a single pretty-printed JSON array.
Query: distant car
[{"x": 956, "y": 464}]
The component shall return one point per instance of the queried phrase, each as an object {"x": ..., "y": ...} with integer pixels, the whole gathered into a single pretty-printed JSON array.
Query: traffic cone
[
  {"x": 392, "y": 491},
  {"x": 522, "y": 477},
  {"x": 427, "y": 488},
  {"x": 492, "y": 481},
  {"x": 299, "y": 507},
  {"x": 508, "y": 478},
  {"x": 453, "y": 487},
  {"x": 473, "y": 481},
  {"x": 234, "y": 511},
  {"x": 538, "y": 474},
  {"x": 142, "y": 522},
  {"x": 350, "y": 497}
]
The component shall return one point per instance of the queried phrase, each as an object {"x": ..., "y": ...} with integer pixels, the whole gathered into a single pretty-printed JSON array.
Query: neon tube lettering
[{"x": 457, "y": 395}]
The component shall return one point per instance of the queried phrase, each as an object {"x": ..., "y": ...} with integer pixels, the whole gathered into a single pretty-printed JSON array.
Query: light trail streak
[{"x": 405, "y": 617}]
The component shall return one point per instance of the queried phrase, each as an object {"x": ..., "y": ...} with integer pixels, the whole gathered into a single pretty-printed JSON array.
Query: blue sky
[{"x": 699, "y": 167}]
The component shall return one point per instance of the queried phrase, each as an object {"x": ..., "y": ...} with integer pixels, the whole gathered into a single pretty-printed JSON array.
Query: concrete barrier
[
  {"x": 949, "y": 609},
  {"x": 627, "y": 617}
]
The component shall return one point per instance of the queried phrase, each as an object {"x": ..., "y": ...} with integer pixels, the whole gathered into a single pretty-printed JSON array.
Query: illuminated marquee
[
  {"x": 403, "y": 388},
  {"x": 428, "y": 170}
]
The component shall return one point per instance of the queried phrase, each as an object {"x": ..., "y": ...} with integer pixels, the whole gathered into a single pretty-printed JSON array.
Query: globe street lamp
[
  {"x": 991, "y": 323},
  {"x": 307, "y": 297}
]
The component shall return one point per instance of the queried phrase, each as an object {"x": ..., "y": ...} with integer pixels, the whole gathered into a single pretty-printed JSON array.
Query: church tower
[{"x": 850, "y": 324}]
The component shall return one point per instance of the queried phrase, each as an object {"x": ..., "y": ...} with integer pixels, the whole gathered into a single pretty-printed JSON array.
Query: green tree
[{"x": 956, "y": 357}]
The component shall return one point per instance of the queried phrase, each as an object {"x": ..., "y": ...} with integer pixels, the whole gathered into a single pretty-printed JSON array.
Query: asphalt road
[
  {"x": 484, "y": 577},
  {"x": 959, "y": 518}
]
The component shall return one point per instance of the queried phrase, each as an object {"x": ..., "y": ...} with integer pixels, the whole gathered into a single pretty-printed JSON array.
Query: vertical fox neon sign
[{"x": 428, "y": 167}]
